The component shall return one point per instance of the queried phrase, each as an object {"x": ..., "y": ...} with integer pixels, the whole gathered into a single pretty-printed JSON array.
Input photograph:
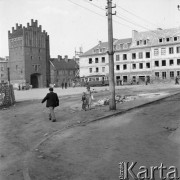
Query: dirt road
[
  {"x": 25, "y": 125},
  {"x": 95, "y": 150}
]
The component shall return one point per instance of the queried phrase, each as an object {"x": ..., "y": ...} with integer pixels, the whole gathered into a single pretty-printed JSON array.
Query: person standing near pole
[{"x": 52, "y": 102}]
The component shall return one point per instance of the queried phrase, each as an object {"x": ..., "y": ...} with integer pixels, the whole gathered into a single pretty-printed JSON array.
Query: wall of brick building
[{"x": 29, "y": 54}]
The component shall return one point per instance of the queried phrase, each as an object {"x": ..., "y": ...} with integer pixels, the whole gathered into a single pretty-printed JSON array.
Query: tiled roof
[
  {"x": 99, "y": 46},
  {"x": 154, "y": 35},
  {"x": 123, "y": 41},
  {"x": 63, "y": 65}
]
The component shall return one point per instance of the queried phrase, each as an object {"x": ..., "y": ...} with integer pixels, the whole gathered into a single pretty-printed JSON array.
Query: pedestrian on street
[
  {"x": 84, "y": 101},
  {"x": 62, "y": 85},
  {"x": 89, "y": 97},
  {"x": 52, "y": 101},
  {"x": 176, "y": 80},
  {"x": 65, "y": 85}
]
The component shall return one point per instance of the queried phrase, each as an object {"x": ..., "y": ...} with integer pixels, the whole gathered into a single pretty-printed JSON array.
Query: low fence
[{"x": 6, "y": 95}]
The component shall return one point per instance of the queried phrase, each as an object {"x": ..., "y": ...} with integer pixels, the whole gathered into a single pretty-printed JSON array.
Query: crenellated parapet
[{"x": 18, "y": 30}]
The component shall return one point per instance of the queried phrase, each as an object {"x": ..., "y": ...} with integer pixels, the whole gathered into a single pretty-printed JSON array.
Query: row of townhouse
[{"x": 153, "y": 54}]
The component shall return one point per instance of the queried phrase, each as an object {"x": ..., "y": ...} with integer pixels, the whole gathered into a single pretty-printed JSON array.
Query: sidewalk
[{"x": 101, "y": 112}]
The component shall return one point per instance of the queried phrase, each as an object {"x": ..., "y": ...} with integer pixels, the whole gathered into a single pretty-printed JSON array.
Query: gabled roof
[{"x": 62, "y": 64}]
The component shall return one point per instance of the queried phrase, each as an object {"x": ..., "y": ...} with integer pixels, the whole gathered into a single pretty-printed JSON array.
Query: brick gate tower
[{"x": 29, "y": 55}]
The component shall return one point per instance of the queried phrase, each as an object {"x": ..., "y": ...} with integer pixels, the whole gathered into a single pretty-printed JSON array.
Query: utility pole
[{"x": 112, "y": 102}]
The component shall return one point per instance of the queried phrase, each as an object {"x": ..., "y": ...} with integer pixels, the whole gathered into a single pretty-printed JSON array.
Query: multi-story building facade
[
  {"x": 3, "y": 70},
  {"x": 29, "y": 55},
  {"x": 151, "y": 54},
  {"x": 63, "y": 70}
]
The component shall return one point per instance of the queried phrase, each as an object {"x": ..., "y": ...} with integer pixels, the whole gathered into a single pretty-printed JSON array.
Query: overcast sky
[{"x": 74, "y": 23}]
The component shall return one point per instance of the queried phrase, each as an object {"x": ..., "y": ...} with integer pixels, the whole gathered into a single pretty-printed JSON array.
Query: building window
[
  {"x": 39, "y": 50},
  {"x": 156, "y": 52},
  {"x": 163, "y": 62},
  {"x": 147, "y": 54},
  {"x": 163, "y": 51},
  {"x": 117, "y": 67},
  {"x": 148, "y": 65},
  {"x": 90, "y": 60},
  {"x": 16, "y": 67},
  {"x": 178, "y": 61},
  {"x": 117, "y": 46},
  {"x": 117, "y": 57},
  {"x": 164, "y": 75},
  {"x": 90, "y": 70},
  {"x": 167, "y": 39},
  {"x": 124, "y": 78},
  {"x": 178, "y": 49},
  {"x": 140, "y": 55},
  {"x": 124, "y": 66},
  {"x": 39, "y": 58},
  {"x": 140, "y": 65},
  {"x": 103, "y": 59},
  {"x": 96, "y": 60},
  {"x": 137, "y": 43},
  {"x": 171, "y": 62},
  {"x": 124, "y": 56},
  {"x": 103, "y": 69},
  {"x": 156, "y": 74},
  {"x": 97, "y": 69},
  {"x": 145, "y": 42},
  {"x": 171, "y": 50},
  {"x": 175, "y": 38},
  {"x": 133, "y": 55},
  {"x": 156, "y": 63},
  {"x": 171, "y": 74},
  {"x": 134, "y": 66},
  {"x": 178, "y": 73},
  {"x": 31, "y": 57},
  {"x": 160, "y": 40}
]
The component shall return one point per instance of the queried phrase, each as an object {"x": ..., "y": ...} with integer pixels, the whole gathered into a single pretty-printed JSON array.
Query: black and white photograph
[{"x": 89, "y": 89}]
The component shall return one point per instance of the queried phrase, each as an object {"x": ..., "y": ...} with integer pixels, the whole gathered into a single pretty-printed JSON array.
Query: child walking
[{"x": 84, "y": 101}]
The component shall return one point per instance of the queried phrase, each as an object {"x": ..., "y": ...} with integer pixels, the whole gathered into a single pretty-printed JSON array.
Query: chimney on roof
[
  {"x": 66, "y": 58},
  {"x": 134, "y": 34},
  {"x": 59, "y": 58},
  {"x": 100, "y": 42}
]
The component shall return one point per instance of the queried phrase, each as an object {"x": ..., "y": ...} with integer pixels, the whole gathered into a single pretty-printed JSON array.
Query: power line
[
  {"x": 136, "y": 15},
  {"x": 98, "y": 13},
  {"x": 125, "y": 19}
]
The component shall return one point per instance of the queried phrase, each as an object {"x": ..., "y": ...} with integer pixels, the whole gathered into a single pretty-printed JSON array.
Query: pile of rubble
[{"x": 118, "y": 98}]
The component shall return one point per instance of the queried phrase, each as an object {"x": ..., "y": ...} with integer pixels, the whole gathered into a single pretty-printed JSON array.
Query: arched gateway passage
[{"x": 36, "y": 80}]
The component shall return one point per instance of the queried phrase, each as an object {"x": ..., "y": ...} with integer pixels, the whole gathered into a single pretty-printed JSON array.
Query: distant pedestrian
[
  {"x": 84, "y": 101},
  {"x": 89, "y": 97},
  {"x": 176, "y": 80},
  {"x": 52, "y": 101},
  {"x": 65, "y": 84},
  {"x": 62, "y": 85},
  {"x": 73, "y": 84}
]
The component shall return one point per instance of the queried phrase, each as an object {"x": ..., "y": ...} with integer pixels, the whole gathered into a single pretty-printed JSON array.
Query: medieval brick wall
[{"x": 29, "y": 54}]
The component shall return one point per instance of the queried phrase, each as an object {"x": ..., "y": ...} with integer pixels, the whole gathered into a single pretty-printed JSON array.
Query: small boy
[{"x": 84, "y": 101}]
